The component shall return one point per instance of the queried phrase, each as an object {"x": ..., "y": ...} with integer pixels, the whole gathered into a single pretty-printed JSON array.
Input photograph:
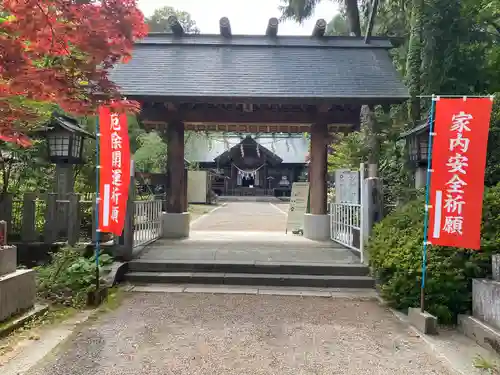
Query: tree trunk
[
  {"x": 352, "y": 14},
  {"x": 368, "y": 114},
  {"x": 414, "y": 60},
  {"x": 353, "y": 20}
]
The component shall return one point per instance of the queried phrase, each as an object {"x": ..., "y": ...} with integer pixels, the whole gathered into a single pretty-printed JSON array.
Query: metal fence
[
  {"x": 346, "y": 213},
  {"x": 147, "y": 221},
  {"x": 346, "y": 223}
]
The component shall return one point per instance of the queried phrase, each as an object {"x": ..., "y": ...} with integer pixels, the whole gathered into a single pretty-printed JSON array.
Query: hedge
[{"x": 395, "y": 256}]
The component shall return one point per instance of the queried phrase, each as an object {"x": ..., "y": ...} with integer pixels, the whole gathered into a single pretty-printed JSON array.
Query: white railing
[
  {"x": 346, "y": 223},
  {"x": 147, "y": 221}
]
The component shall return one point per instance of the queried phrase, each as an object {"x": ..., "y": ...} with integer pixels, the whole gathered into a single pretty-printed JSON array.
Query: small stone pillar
[
  {"x": 495, "y": 267},
  {"x": 64, "y": 179},
  {"x": 373, "y": 204},
  {"x": 420, "y": 177}
]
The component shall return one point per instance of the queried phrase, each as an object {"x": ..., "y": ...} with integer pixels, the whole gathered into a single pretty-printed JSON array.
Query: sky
[{"x": 246, "y": 16}]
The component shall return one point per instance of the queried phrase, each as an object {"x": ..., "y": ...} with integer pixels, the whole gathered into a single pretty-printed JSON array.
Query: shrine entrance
[{"x": 267, "y": 84}]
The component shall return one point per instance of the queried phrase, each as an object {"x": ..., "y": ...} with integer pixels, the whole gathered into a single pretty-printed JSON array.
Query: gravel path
[
  {"x": 188, "y": 334},
  {"x": 244, "y": 216}
]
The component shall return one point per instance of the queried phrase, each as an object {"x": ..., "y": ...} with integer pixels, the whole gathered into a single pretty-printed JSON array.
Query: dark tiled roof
[
  {"x": 247, "y": 142},
  {"x": 260, "y": 67},
  {"x": 421, "y": 128},
  {"x": 201, "y": 148},
  {"x": 259, "y": 40}
]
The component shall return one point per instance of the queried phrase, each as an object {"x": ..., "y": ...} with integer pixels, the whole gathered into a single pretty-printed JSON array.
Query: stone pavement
[
  {"x": 247, "y": 231},
  {"x": 191, "y": 334},
  {"x": 248, "y": 246},
  {"x": 244, "y": 216}
]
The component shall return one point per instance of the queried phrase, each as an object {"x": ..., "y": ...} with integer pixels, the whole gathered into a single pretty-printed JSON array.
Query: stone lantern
[
  {"x": 417, "y": 147},
  {"x": 65, "y": 142}
]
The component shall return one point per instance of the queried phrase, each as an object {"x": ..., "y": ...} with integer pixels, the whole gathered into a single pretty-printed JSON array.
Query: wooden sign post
[{"x": 298, "y": 207}]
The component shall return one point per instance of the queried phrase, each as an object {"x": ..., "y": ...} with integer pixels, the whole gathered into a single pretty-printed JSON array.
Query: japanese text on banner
[
  {"x": 458, "y": 163},
  {"x": 116, "y": 166},
  {"x": 114, "y": 172}
]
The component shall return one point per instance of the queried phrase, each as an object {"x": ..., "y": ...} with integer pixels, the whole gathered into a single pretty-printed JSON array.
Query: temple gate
[{"x": 256, "y": 83}]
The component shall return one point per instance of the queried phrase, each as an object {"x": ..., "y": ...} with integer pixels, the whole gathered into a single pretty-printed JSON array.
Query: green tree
[
  {"x": 414, "y": 59},
  {"x": 151, "y": 156},
  {"x": 25, "y": 169},
  {"x": 300, "y": 10},
  {"x": 338, "y": 26},
  {"x": 158, "y": 22}
]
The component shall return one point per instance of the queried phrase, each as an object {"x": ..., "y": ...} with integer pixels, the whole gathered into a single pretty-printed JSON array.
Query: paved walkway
[
  {"x": 248, "y": 246},
  {"x": 245, "y": 216},
  {"x": 247, "y": 231},
  {"x": 203, "y": 334}
]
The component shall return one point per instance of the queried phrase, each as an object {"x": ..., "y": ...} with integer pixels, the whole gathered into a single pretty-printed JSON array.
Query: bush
[
  {"x": 68, "y": 277},
  {"x": 395, "y": 252}
]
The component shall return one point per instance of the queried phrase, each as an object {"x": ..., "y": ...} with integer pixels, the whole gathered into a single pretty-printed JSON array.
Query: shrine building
[{"x": 250, "y": 164}]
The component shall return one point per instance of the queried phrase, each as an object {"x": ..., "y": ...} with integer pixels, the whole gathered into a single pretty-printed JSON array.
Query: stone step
[
  {"x": 216, "y": 278},
  {"x": 483, "y": 334},
  {"x": 251, "y": 267}
]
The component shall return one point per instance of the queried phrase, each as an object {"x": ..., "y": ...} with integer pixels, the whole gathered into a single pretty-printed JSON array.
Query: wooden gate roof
[{"x": 280, "y": 68}]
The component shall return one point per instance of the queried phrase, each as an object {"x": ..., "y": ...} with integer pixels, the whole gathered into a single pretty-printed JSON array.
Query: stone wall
[{"x": 486, "y": 301}]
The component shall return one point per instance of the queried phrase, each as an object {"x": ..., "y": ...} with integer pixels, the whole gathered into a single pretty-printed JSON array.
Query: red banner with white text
[
  {"x": 457, "y": 180},
  {"x": 114, "y": 172}
]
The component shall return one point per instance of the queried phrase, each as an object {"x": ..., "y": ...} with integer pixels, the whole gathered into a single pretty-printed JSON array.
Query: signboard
[
  {"x": 458, "y": 164},
  {"x": 298, "y": 206},
  {"x": 347, "y": 186},
  {"x": 114, "y": 172}
]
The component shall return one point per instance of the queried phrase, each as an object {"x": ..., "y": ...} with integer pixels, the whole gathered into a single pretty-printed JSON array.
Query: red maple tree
[{"x": 60, "y": 52}]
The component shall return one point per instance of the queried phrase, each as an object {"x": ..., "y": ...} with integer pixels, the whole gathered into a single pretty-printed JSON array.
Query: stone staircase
[{"x": 249, "y": 273}]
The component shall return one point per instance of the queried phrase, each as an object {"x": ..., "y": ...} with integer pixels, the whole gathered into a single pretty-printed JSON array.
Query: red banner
[
  {"x": 458, "y": 164},
  {"x": 114, "y": 172}
]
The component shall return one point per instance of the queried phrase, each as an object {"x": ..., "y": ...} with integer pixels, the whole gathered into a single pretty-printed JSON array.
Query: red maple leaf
[{"x": 60, "y": 51}]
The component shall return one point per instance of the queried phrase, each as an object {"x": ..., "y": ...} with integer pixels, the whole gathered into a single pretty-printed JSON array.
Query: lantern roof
[
  {"x": 67, "y": 123},
  {"x": 422, "y": 127}
]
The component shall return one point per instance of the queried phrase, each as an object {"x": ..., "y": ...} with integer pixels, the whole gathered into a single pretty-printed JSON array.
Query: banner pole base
[
  {"x": 422, "y": 299},
  {"x": 97, "y": 273}
]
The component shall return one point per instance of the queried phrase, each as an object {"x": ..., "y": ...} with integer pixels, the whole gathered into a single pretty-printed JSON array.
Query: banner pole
[
  {"x": 491, "y": 96},
  {"x": 97, "y": 201},
  {"x": 427, "y": 198}
]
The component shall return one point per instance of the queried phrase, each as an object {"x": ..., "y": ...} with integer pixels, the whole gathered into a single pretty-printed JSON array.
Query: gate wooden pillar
[
  {"x": 317, "y": 222},
  {"x": 175, "y": 222},
  {"x": 318, "y": 169},
  {"x": 176, "y": 175}
]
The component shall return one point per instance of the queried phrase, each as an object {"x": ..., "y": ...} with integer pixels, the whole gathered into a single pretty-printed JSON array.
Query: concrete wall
[
  {"x": 17, "y": 293},
  {"x": 486, "y": 301},
  {"x": 17, "y": 287}
]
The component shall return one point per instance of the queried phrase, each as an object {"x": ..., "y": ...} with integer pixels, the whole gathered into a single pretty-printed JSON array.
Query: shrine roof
[
  {"x": 419, "y": 129},
  {"x": 202, "y": 149},
  {"x": 259, "y": 67}
]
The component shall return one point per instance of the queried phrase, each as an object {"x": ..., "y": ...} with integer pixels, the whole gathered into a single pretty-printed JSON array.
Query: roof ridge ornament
[
  {"x": 319, "y": 28},
  {"x": 225, "y": 27},
  {"x": 175, "y": 25},
  {"x": 272, "y": 27}
]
